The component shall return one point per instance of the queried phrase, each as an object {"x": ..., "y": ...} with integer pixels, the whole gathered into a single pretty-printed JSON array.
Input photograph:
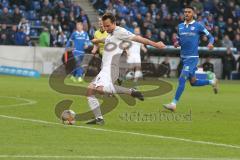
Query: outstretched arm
[{"x": 146, "y": 41}]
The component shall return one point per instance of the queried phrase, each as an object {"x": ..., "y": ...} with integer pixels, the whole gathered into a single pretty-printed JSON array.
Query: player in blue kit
[
  {"x": 80, "y": 41},
  {"x": 189, "y": 33}
]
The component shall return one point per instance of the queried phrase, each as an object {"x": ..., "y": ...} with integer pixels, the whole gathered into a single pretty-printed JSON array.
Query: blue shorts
[{"x": 189, "y": 67}]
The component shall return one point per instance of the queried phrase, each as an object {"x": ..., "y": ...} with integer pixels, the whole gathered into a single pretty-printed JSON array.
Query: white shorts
[
  {"x": 134, "y": 58},
  {"x": 104, "y": 79}
]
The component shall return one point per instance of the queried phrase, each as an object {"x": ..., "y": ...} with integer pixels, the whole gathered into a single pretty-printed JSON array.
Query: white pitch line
[
  {"x": 25, "y": 103},
  {"x": 128, "y": 132},
  {"x": 111, "y": 157}
]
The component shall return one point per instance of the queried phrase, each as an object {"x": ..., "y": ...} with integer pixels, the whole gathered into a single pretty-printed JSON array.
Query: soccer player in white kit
[
  {"x": 115, "y": 42},
  {"x": 134, "y": 59}
]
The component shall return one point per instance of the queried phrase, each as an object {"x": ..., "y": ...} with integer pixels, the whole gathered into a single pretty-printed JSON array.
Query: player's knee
[
  {"x": 90, "y": 90},
  {"x": 109, "y": 89},
  {"x": 182, "y": 79},
  {"x": 100, "y": 89}
]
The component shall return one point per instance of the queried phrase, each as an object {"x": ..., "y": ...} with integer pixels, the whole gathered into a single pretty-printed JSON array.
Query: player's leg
[
  {"x": 181, "y": 85},
  {"x": 94, "y": 104},
  {"x": 201, "y": 82},
  {"x": 79, "y": 71},
  {"x": 137, "y": 74}
]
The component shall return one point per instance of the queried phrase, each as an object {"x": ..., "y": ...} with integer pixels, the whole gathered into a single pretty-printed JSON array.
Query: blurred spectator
[
  {"x": 149, "y": 35},
  {"x": 164, "y": 10},
  {"x": 217, "y": 42},
  {"x": 110, "y": 9},
  {"x": 56, "y": 26},
  {"x": 158, "y": 23},
  {"x": 4, "y": 40},
  {"x": 28, "y": 41},
  {"x": 217, "y": 32},
  {"x": 83, "y": 17},
  {"x": 63, "y": 21},
  {"x": 198, "y": 5},
  {"x": 163, "y": 37},
  {"x": 166, "y": 66},
  {"x": 5, "y": 16},
  {"x": 71, "y": 23},
  {"x": 24, "y": 24},
  {"x": 228, "y": 64},
  {"x": 4, "y": 29},
  {"x": 62, "y": 40},
  {"x": 47, "y": 8},
  {"x": 221, "y": 24},
  {"x": 226, "y": 42},
  {"x": 20, "y": 37},
  {"x": 207, "y": 65},
  {"x": 47, "y": 21},
  {"x": 236, "y": 42},
  {"x": 204, "y": 41},
  {"x": 53, "y": 38},
  {"x": 44, "y": 39},
  {"x": 238, "y": 62},
  {"x": 174, "y": 38},
  {"x": 12, "y": 35},
  {"x": 17, "y": 16},
  {"x": 175, "y": 6}
]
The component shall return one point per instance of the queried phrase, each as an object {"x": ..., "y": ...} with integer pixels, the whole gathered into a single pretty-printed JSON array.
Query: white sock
[
  {"x": 138, "y": 74},
  {"x": 95, "y": 106}
]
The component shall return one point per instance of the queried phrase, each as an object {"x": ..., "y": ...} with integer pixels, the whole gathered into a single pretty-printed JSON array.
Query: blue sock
[
  {"x": 201, "y": 82},
  {"x": 180, "y": 89}
]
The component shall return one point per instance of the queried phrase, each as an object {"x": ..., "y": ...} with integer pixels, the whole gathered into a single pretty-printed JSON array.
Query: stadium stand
[
  {"x": 159, "y": 19},
  {"x": 31, "y": 16}
]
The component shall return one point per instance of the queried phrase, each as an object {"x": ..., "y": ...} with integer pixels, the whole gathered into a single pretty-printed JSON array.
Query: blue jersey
[
  {"x": 80, "y": 40},
  {"x": 188, "y": 38}
]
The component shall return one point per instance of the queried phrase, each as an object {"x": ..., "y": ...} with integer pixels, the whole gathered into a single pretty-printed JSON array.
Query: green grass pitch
[{"x": 30, "y": 130}]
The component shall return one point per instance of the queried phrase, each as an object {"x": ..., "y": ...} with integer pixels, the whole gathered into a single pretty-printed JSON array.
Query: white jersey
[
  {"x": 134, "y": 53},
  {"x": 111, "y": 55},
  {"x": 113, "y": 44}
]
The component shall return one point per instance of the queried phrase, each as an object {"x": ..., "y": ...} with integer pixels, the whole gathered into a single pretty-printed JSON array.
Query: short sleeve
[{"x": 123, "y": 34}]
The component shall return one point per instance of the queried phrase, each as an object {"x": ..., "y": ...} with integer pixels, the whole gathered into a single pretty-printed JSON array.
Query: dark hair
[
  {"x": 190, "y": 7},
  {"x": 79, "y": 21},
  {"x": 109, "y": 16}
]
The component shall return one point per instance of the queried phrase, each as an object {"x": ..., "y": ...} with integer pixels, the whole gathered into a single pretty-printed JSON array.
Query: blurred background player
[
  {"x": 134, "y": 59},
  {"x": 80, "y": 41},
  {"x": 165, "y": 68},
  {"x": 229, "y": 64},
  {"x": 99, "y": 34},
  {"x": 207, "y": 65},
  {"x": 189, "y": 33},
  {"x": 104, "y": 81}
]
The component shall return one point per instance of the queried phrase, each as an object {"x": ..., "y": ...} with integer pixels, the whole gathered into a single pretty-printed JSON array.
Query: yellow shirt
[{"x": 100, "y": 35}]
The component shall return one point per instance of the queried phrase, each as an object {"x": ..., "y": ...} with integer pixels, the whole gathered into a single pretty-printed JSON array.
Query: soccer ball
[{"x": 68, "y": 117}]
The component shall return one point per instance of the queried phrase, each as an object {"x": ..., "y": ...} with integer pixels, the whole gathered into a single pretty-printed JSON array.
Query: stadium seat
[
  {"x": 36, "y": 5},
  {"x": 32, "y": 15}
]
